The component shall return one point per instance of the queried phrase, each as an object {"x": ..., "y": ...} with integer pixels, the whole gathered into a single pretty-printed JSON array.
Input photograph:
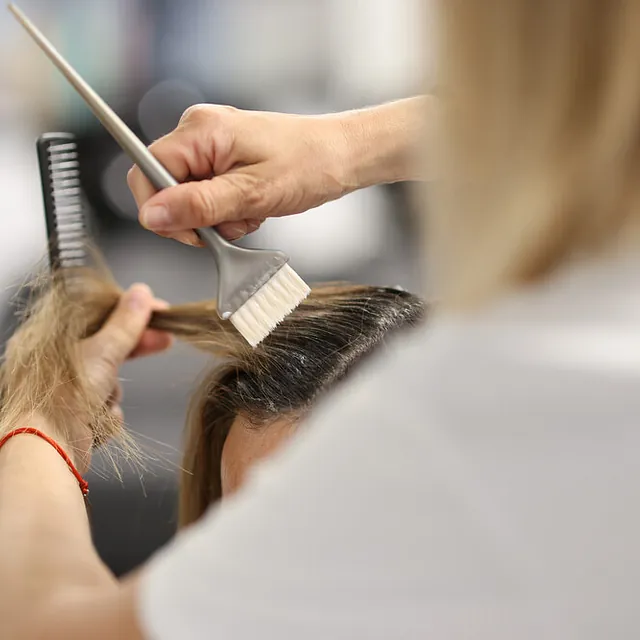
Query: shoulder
[{"x": 404, "y": 378}]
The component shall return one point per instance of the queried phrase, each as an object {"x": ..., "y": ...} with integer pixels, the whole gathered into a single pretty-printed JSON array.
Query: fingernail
[
  {"x": 138, "y": 297},
  {"x": 155, "y": 217},
  {"x": 238, "y": 230},
  {"x": 187, "y": 238}
]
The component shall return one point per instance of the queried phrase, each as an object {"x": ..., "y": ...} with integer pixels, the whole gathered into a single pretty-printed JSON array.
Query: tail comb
[{"x": 67, "y": 228}]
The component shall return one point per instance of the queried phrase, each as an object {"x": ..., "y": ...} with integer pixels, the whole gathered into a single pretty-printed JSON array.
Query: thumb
[
  {"x": 121, "y": 333},
  {"x": 206, "y": 203}
]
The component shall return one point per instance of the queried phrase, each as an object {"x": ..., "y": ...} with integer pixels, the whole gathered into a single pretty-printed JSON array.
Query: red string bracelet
[{"x": 84, "y": 485}]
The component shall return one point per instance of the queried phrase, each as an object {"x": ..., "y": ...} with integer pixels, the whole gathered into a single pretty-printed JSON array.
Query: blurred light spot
[
  {"x": 589, "y": 348},
  {"x": 116, "y": 190},
  {"x": 338, "y": 237},
  {"x": 160, "y": 109}
]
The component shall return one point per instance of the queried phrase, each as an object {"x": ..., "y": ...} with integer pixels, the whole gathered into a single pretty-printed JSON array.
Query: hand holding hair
[
  {"x": 241, "y": 167},
  {"x": 124, "y": 335},
  {"x": 61, "y": 367}
]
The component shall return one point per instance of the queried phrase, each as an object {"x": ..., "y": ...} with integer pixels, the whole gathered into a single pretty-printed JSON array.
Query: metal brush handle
[
  {"x": 152, "y": 168},
  {"x": 241, "y": 272}
]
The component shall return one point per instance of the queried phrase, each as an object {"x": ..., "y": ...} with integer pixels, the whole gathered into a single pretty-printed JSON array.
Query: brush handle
[
  {"x": 161, "y": 179},
  {"x": 150, "y": 166}
]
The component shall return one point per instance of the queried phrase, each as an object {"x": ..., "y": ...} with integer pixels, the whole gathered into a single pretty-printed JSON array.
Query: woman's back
[{"x": 531, "y": 409}]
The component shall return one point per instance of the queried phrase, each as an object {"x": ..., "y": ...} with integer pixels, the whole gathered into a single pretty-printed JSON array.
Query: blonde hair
[
  {"x": 42, "y": 369},
  {"x": 310, "y": 351},
  {"x": 541, "y": 132}
]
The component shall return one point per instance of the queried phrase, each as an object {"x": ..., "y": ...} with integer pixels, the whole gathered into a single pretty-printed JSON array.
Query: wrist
[
  {"x": 78, "y": 450},
  {"x": 382, "y": 144}
]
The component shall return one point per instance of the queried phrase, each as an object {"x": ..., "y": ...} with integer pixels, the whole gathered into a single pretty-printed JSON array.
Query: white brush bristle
[{"x": 270, "y": 305}]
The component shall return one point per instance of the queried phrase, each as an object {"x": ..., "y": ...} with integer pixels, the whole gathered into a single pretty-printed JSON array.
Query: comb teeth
[{"x": 66, "y": 222}]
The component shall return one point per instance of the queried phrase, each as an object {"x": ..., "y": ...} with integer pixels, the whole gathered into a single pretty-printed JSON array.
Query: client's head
[{"x": 249, "y": 403}]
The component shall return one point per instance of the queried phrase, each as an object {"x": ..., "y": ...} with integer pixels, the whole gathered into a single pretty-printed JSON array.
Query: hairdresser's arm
[
  {"x": 52, "y": 581},
  {"x": 271, "y": 164}
]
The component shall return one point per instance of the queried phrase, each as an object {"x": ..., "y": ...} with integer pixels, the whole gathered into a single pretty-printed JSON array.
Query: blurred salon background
[{"x": 151, "y": 59}]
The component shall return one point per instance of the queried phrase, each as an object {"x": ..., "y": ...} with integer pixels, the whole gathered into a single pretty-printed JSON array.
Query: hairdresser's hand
[
  {"x": 270, "y": 164},
  {"x": 265, "y": 164}
]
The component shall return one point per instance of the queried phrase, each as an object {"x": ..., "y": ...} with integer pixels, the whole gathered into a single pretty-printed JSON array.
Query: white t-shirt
[{"x": 480, "y": 481}]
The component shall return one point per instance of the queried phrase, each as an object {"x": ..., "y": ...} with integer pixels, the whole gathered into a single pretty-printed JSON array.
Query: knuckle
[
  {"x": 195, "y": 113},
  {"x": 157, "y": 148},
  {"x": 209, "y": 113},
  {"x": 226, "y": 110},
  {"x": 255, "y": 196}
]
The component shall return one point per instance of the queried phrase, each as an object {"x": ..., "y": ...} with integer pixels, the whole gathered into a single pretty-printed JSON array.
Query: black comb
[{"x": 67, "y": 228}]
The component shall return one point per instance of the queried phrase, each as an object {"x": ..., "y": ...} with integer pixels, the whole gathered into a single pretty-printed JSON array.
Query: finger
[
  {"x": 122, "y": 332},
  {"x": 160, "y": 305},
  {"x": 228, "y": 230},
  {"x": 116, "y": 395},
  {"x": 230, "y": 197},
  {"x": 152, "y": 342},
  {"x": 183, "y": 154},
  {"x": 253, "y": 225},
  {"x": 236, "y": 230},
  {"x": 189, "y": 238}
]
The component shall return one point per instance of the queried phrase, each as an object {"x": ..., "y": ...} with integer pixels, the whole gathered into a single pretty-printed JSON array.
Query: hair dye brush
[
  {"x": 67, "y": 226},
  {"x": 257, "y": 289}
]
